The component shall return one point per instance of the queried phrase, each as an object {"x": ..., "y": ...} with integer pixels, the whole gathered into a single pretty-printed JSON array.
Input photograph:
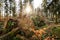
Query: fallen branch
[{"x": 13, "y": 31}]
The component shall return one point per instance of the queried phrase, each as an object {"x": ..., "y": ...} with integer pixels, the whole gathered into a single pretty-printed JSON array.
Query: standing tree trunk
[{"x": 21, "y": 7}]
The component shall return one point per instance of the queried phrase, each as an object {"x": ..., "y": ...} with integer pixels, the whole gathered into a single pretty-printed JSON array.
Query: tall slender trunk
[{"x": 21, "y": 7}]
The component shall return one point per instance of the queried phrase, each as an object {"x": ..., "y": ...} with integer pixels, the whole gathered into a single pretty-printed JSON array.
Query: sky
[
  {"x": 37, "y": 3},
  {"x": 49, "y": 1}
]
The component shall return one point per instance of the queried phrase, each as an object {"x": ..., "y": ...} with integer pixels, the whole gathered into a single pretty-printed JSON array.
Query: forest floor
[{"x": 26, "y": 25}]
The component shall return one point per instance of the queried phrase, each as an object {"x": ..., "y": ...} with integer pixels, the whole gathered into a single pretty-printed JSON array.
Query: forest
[{"x": 29, "y": 19}]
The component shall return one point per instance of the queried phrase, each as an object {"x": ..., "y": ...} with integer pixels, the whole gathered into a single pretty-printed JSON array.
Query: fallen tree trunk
[{"x": 9, "y": 33}]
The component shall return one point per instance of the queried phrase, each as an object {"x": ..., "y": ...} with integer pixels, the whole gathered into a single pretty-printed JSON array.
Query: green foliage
[
  {"x": 16, "y": 38},
  {"x": 11, "y": 24},
  {"x": 53, "y": 7},
  {"x": 38, "y": 22},
  {"x": 21, "y": 33},
  {"x": 56, "y": 31},
  {"x": 1, "y": 24}
]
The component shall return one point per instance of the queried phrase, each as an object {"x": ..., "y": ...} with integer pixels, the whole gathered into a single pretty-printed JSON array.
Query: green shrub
[
  {"x": 56, "y": 31},
  {"x": 38, "y": 22},
  {"x": 11, "y": 24}
]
